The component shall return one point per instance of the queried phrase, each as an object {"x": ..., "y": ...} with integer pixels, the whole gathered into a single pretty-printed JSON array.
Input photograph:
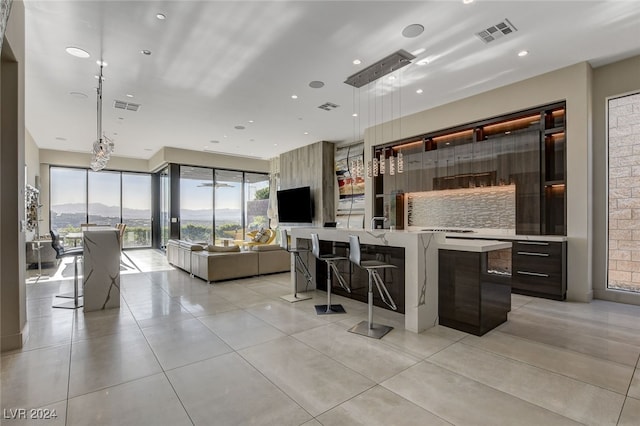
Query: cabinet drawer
[
  {"x": 538, "y": 284},
  {"x": 536, "y": 264},
  {"x": 539, "y": 248}
]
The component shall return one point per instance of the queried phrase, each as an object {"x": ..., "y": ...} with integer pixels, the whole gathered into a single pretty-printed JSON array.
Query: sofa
[{"x": 214, "y": 263}]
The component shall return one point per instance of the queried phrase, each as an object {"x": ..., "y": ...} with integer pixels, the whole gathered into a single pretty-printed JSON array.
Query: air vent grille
[
  {"x": 328, "y": 106},
  {"x": 129, "y": 106},
  {"x": 496, "y": 31}
]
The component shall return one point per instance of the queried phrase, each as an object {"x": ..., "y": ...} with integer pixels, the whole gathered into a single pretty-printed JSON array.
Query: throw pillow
[{"x": 258, "y": 236}]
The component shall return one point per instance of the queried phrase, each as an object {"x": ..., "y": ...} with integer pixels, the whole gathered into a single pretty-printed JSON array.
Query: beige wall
[
  {"x": 572, "y": 84},
  {"x": 206, "y": 159},
  {"x": 31, "y": 159},
  {"x": 13, "y": 330},
  {"x": 610, "y": 80}
]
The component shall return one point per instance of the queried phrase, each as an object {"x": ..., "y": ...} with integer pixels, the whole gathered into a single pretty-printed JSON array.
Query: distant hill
[{"x": 99, "y": 209}]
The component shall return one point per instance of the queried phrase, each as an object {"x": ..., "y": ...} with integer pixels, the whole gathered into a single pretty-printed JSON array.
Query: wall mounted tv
[{"x": 295, "y": 206}]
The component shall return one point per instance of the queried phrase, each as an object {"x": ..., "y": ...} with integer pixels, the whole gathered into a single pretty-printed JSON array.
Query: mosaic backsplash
[{"x": 487, "y": 207}]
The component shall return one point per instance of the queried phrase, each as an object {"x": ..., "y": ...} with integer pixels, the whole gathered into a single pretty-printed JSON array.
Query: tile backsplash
[{"x": 483, "y": 207}]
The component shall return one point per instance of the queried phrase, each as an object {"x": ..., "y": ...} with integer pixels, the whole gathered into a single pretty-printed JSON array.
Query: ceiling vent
[
  {"x": 129, "y": 106},
  {"x": 328, "y": 106},
  {"x": 496, "y": 31},
  {"x": 384, "y": 66}
]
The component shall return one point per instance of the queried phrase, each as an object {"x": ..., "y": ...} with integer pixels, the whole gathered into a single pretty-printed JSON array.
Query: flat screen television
[{"x": 295, "y": 206}]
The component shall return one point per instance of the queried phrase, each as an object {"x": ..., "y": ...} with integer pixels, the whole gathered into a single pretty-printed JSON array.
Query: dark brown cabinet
[
  {"x": 469, "y": 298},
  {"x": 526, "y": 149},
  {"x": 539, "y": 268}
]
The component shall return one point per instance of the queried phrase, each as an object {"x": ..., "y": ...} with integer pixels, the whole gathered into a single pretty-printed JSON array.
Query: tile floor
[{"x": 179, "y": 351}]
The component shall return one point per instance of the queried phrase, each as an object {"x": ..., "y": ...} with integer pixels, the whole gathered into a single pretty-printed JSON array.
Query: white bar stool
[
  {"x": 368, "y": 328},
  {"x": 330, "y": 259}
]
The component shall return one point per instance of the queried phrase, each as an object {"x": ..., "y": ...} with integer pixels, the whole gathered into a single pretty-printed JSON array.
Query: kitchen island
[{"x": 420, "y": 263}]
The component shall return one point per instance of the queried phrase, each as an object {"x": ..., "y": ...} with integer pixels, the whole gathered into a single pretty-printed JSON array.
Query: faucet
[{"x": 373, "y": 220}]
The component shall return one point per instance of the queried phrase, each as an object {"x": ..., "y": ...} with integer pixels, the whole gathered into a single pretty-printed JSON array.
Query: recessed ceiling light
[
  {"x": 275, "y": 144},
  {"x": 413, "y": 30},
  {"x": 422, "y": 62},
  {"x": 161, "y": 16},
  {"x": 355, "y": 114},
  {"x": 392, "y": 77},
  {"x": 239, "y": 127},
  {"x": 60, "y": 138},
  {"x": 467, "y": 1},
  {"x": 129, "y": 95},
  {"x": 357, "y": 62},
  {"x": 419, "y": 91},
  {"x": 120, "y": 118},
  {"x": 250, "y": 121},
  {"x": 102, "y": 63},
  {"x": 145, "y": 52},
  {"x": 224, "y": 136},
  {"x": 214, "y": 141},
  {"x": 252, "y": 140},
  {"x": 316, "y": 84},
  {"x": 306, "y": 133},
  {"x": 77, "y": 52},
  {"x": 115, "y": 133},
  {"x": 523, "y": 53},
  {"x": 294, "y": 96}
]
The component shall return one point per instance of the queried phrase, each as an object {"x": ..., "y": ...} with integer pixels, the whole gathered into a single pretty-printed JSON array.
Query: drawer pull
[
  {"x": 533, "y": 243},
  {"x": 534, "y": 274},
  {"x": 528, "y": 253}
]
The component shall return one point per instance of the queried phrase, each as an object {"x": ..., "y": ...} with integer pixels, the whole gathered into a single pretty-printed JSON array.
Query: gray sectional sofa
[{"x": 212, "y": 263}]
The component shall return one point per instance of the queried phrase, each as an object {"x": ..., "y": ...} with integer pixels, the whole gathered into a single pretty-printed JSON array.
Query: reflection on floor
[{"x": 179, "y": 351}]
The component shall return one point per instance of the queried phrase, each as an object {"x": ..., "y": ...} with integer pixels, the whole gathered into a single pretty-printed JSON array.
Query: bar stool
[
  {"x": 330, "y": 259},
  {"x": 60, "y": 253},
  {"x": 299, "y": 266},
  {"x": 368, "y": 328}
]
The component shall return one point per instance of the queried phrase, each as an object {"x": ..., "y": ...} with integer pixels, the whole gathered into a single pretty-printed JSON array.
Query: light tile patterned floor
[{"x": 179, "y": 351}]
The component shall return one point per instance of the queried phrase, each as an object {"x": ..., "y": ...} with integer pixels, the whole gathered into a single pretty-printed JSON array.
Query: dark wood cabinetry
[
  {"x": 539, "y": 268},
  {"x": 526, "y": 148},
  {"x": 469, "y": 298}
]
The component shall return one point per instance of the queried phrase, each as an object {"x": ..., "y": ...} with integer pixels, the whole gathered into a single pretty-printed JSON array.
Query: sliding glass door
[
  {"x": 228, "y": 202},
  {"x": 136, "y": 209}
]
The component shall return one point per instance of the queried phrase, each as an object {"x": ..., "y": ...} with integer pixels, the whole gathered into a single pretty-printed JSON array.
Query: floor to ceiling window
[
  {"x": 256, "y": 193},
  {"x": 228, "y": 204},
  {"x": 196, "y": 204},
  {"x": 68, "y": 199},
  {"x": 624, "y": 189},
  {"x": 103, "y": 198},
  {"x": 136, "y": 209},
  {"x": 103, "y": 204}
]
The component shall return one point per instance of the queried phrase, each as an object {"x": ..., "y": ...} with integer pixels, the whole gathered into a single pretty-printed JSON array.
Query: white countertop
[
  {"x": 478, "y": 246},
  {"x": 495, "y": 234}
]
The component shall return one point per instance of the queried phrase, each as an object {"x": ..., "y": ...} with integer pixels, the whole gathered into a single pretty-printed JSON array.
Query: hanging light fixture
[{"x": 103, "y": 146}]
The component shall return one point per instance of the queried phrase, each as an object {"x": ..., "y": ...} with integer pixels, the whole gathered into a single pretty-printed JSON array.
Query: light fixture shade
[
  {"x": 400, "y": 162},
  {"x": 392, "y": 164},
  {"x": 369, "y": 168},
  {"x": 383, "y": 164},
  {"x": 375, "y": 167},
  {"x": 360, "y": 167}
]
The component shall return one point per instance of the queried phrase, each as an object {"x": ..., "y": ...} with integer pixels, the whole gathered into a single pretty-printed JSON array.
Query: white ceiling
[{"x": 218, "y": 64}]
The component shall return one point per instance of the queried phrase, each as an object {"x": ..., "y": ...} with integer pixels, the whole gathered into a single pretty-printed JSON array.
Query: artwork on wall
[
  {"x": 5, "y": 9},
  {"x": 350, "y": 177}
]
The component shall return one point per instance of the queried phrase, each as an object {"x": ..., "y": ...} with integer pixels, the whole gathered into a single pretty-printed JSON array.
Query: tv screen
[{"x": 294, "y": 205}]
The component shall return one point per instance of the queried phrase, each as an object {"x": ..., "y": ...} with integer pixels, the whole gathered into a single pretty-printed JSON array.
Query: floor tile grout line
[
  {"x": 164, "y": 373},
  {"x": 66, "y": 409},
  {"x": 411, "y": 402},
  {"x": 499, "y": 390},
  {"x": 506, "y": 357}
]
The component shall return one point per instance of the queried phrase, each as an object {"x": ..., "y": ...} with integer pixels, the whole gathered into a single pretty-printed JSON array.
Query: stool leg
[
  {"x": 329, "y": 308},
  {"x": 368, "y": 328},
  {"x": 74, "y": 304},
  {"x": 370, "y": 296}
]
